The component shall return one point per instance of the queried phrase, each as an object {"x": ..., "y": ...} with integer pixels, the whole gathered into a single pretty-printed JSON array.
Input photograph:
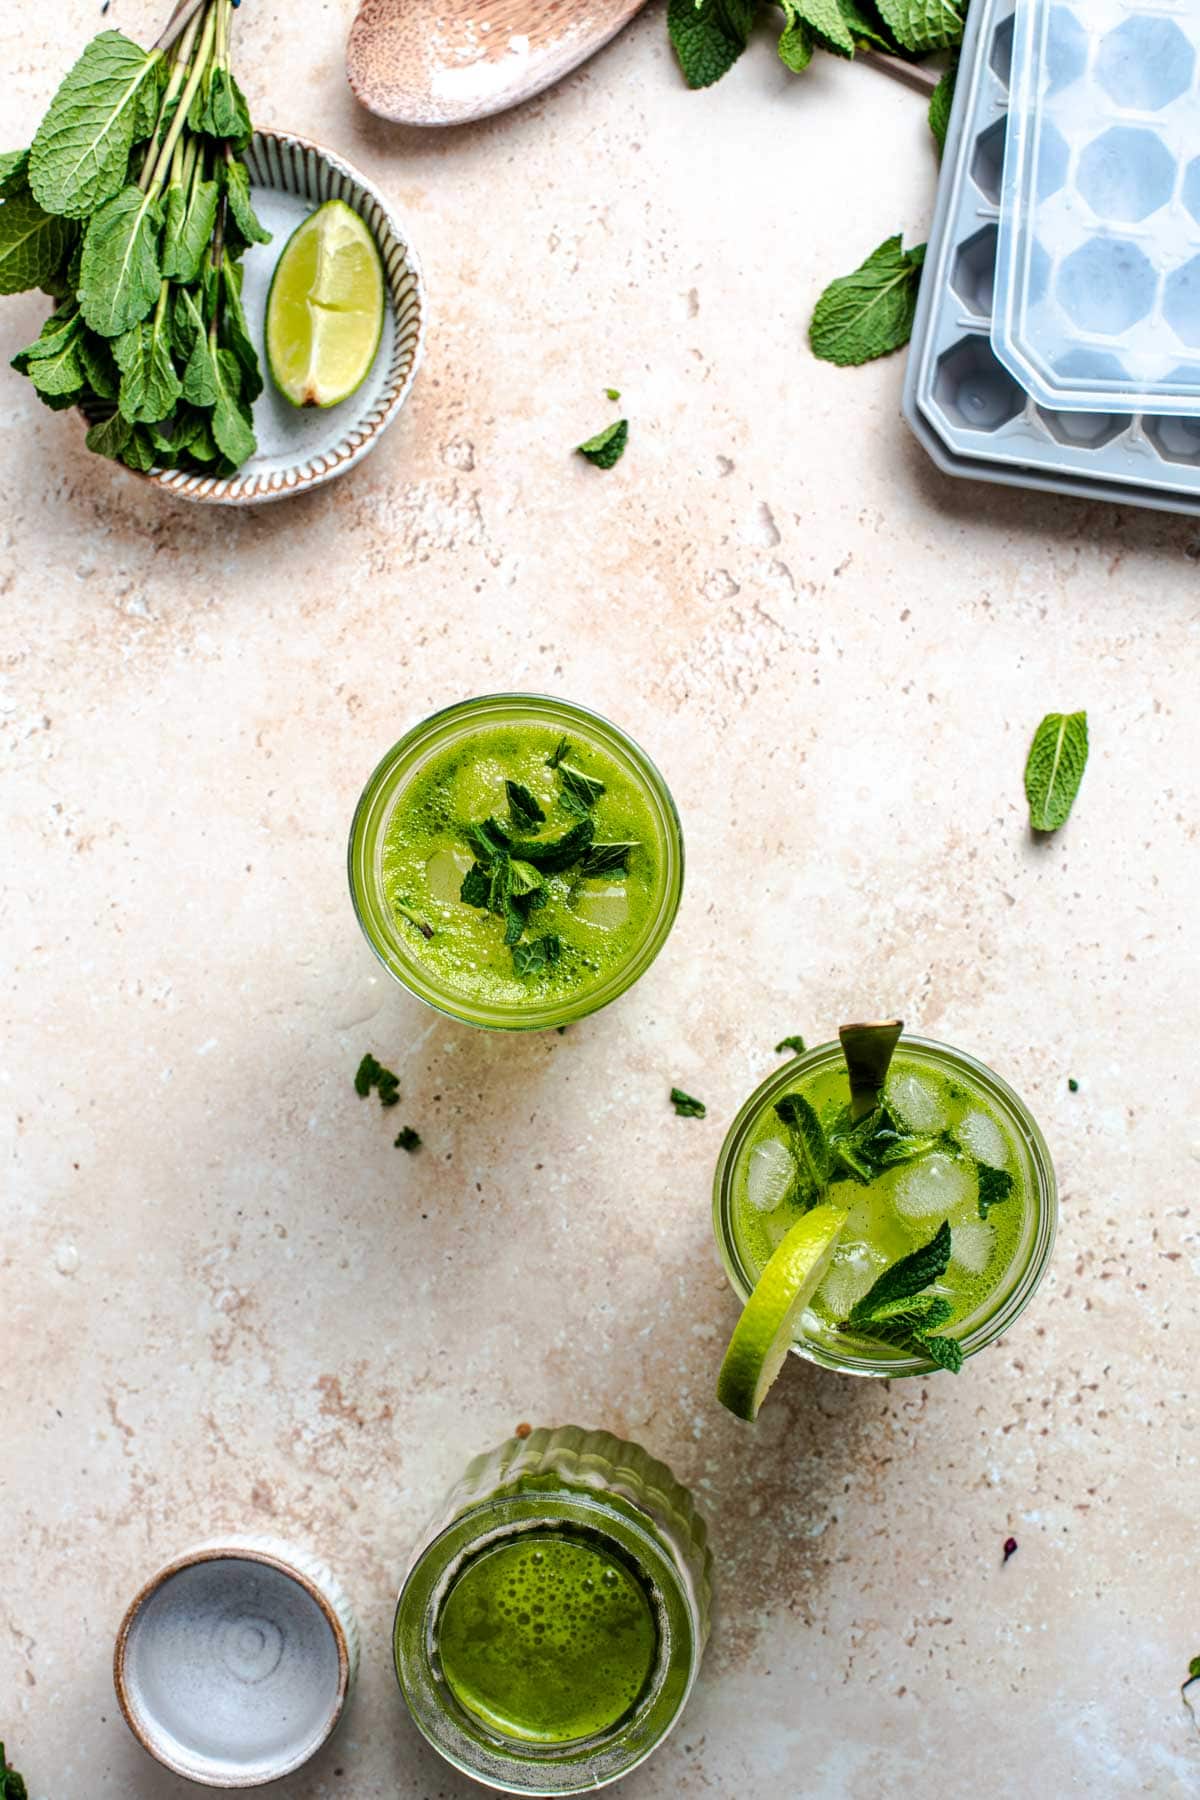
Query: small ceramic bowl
[
  {"x": 302, "y": 447},
  {"x": 233, "y": 1664}
]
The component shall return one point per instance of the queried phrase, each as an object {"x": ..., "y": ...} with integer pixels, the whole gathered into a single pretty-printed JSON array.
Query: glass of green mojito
[
  {"x": 516, "y": 861},
  {"x": 892, "y": 1230},
  {"x": 553, "y": 1617}
]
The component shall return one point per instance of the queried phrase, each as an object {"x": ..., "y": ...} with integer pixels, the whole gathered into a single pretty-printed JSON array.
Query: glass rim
[
  {"x": 580, "y": 1765},
  {"x": 377, "y": 798},
  {"x": 1044, "y": 1200}
]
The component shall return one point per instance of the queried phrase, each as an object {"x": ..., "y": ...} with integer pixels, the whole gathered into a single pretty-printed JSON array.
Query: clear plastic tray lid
[{"x": 1097, "y": 301}]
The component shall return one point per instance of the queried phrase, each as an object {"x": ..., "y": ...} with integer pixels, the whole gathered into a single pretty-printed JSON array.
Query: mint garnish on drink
[{"x": 897, "y": 1311}]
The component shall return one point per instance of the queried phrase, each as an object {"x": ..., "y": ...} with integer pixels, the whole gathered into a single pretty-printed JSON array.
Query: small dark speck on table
[{"x": 1010, "y": 1548}]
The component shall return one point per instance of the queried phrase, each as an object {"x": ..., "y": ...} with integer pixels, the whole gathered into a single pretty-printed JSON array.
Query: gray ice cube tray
[
  {"x": 963, "y": 405},
  {"x": 1098, "y": 267}
]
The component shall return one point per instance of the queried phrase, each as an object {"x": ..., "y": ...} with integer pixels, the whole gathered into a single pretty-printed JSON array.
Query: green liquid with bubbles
[
  {"x": 601, "y": 921},
  {"x": 547, "y": 1638}
]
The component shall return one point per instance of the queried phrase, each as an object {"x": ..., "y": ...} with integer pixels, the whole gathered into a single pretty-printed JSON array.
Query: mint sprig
[
  {"x": 869, "y": 312},
  {"x": 527, "y": 811},
  {"x": 897, "y": 1311},
  {"x": 995, "y": 1185}
]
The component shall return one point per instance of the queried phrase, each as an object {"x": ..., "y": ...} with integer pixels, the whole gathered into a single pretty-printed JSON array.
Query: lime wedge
[
  {"x": 325, "y": 308},
  {"x": 764, "y": 1333}
]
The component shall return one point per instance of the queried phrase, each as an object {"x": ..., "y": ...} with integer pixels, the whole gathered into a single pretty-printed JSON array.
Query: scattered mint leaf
[
  {"x": 1054, "y": 769},
  {"x": 405, "y": 910},
  {"x": 372, "y": 1074},
  {"x": 906, "y": 1278},
  {"x": 608, "y": 446},
  {"x": 533, "y": 958},
  {"x": 809, "y": 1143},
  {"x": 686, "y": 1105},
  {"x": 869, "y": 313},
  {"x": 995, "y": 1185},
  {"x": 708, "y": 36},
  {"x": 940, "y": 103},
  {"x": 923, "y": 25},
  {"x": 606, "y": 859},
  {"x": 561, "y": 749},
  {"x": 795, "y": 1044},
  {"x": 526, "y": 812},
  {"x": 613, "y": 393},
  {"x": 1072, "y": 1084},
  {"x": 12, "y": 1785},
  {"x": 409, "y": 1140}
]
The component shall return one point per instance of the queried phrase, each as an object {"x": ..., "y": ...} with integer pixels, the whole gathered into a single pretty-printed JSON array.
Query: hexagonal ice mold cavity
[
  {"x": 1000, "y": 56},
  {"x": 972, "y": 389},
  {"x": 1144, "y": 63},
  {"x": 1065, "y": 51},
  {"x": 1181, "y": 302},
  {"x": 1126, "y": 173},
  {"x": 1106, "y": 286},
  {"x": 1176, "y": 440},
  {"x": 1083, "y": 363},
  {"x": 1053, "y": 155},
  {"x": 1083, "y": 431},
  {"x": 987, "y": 161},
  {"x": 1191, "y": 188},
  {"x": 973, "y": 271}
]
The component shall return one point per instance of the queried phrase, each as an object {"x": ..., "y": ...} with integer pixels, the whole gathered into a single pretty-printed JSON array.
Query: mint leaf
[
  {"x": 12, "y": 1786},
  {"x": 476, "y": 886},
  {"x": 409, "y": 1140},
  {"x": 150, "y": 387},
  {"x": 995, "y": 1185},
  {"x": 33, "y": 244},
  {"x": 795, "y": 46},
  {"x": 525, "y": 810},
  {"x": 918, "y": 1312},
  {"x": 869, "y": 313},
  {"x": 188, "y": 230},
  {"x": 606, "y": 859},
  {"x": 533, "y": 958},
  {"x": 613, "y": 393},
  {"x": 940, "y": 103},
  {"x": 488, "y": 839},
  {"x": 232, "y": 421},
  {"x": 790, "y": 1043},
  {"x": 580, "y": 792},
  {"x": 14, "y": 176},
  {"x": 104, "y": 105},
  {"x": 708, "y": 36},
  {"x": 946, "y": 1352},
  {"x": 561, "y": 749},
  {"x": 906, "y": 1277},
  {"x": 809, "y": 1142},
  {"x": 552, "y": 855},
  {"x": 109, "y": 437},
  {"x": 826, "y": 20},
  {"x": 119, "y": 271},
  {"x": 372, "y": 1074},
  {"x": 866, "y": 28},
  {"x": 923, "y": 25},
  {"x": 237, "y": 192},
  {"x": 608, "y": 446},
  {"x": 687, "y": 1106},
  {"x": 1054, "y": 769}
]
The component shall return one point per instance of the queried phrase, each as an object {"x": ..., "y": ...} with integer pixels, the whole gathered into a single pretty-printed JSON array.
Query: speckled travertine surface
[{"x": 228, "y": 1302}]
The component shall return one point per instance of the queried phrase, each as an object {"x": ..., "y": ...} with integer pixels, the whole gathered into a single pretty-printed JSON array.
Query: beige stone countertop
[{"x": 228, "y": 1302}]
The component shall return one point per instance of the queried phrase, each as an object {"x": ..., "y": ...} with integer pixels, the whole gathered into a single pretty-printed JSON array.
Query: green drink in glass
[
  {"x": 941, "y": 1173},
  {"x": 516, "y": 861},
  {"x": 553, "y": 1618}
]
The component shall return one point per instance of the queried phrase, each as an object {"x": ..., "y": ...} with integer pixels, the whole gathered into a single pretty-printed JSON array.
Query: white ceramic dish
[
  {"x": 302, "y": 447},
  {"x": 233, "y": 1664}
]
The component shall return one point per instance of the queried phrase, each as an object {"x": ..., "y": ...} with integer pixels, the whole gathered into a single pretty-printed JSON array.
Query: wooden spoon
[{"x": 444, "y": 62}]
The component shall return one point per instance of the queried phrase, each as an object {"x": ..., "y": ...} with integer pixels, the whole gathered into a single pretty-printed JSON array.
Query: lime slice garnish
[
  {"x": 764, "y": 1333},
  {"x": 325, "y": 308}
]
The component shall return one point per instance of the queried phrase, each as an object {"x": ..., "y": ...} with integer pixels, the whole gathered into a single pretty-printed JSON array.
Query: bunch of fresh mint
[
  {"x": 869, "y": 312},
  {"x": 897, "y": 1310},
  {"x": 508, "y": 876},
  {"x": 131, "y": 208}
]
